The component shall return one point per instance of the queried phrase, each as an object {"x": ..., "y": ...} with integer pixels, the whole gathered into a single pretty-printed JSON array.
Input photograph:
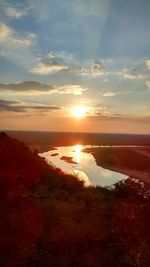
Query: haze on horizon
[{"x": 62, "y": 58}]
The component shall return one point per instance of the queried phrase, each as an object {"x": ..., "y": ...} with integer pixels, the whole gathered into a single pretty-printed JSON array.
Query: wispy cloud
[
  {"x": 95, "y": 70},
  {"x": 132, "y": 74},
  {"x": 15, "y": 10},
  {"x": 36, "y": 88},
  {"x": 8, "y": 105},
  {"x": 105, "y": 113},
  {"x": 8, "y": 36},
  {"x": 17, "y": 47},
  {"x": 109, "y": 93},
  {"x": 71, "y": 89},
  {"x": 26, "y": 86},
  {"x": 61, "y": 56},
  {"x": 48, "y": 68},
  {"x": 148, "y": 64},
  {"x": 16, "y": 106},
  {"x": 148, "y": 84},
  {"x": 121, "y": 117}
]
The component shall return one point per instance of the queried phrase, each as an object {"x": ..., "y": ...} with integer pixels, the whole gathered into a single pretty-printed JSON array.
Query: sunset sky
[{"x": 57, "y": 56}]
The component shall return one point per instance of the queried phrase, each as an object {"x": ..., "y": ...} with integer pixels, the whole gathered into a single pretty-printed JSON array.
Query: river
[{"x": 71, "y": 159}]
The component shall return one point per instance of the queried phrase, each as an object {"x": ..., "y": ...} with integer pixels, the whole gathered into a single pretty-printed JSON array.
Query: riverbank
[{"x": 131, "y": 161}]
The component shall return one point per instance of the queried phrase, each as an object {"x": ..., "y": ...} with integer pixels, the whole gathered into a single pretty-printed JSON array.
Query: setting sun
[{"x": 79, "y": 112}]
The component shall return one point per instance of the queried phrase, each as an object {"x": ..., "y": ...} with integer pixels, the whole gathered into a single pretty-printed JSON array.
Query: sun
[{"x": 79, "y": 112}]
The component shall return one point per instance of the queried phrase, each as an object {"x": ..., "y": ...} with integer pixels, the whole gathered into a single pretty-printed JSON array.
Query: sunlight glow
[
  {"x": 78, "y": 149},
  {"x": 79, "y": 112}
]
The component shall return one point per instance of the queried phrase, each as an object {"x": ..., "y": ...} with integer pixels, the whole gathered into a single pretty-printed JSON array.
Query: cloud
[
  {"x": 16, "y": 44},
  {"x": 9, "y": 37},
  {"x": 148, "y": 64},
  {"x": 48, "y": 68},
  {"x": 148, "y": 84},
  {"x": 99, "y": 111},
  {"x": 54, "y": 62},
  {"x": 8, "y": 105},
  {"x": 82, "y": 71},
  {"x": 109, "y": 93},
  {"x": 132, "y": 74},
  {"x": 104, "y": 113},
  {"x": 121, "y": 117},
  {"x": 41, "y": 108},
  {"x": 26, "y": 86},
  {"x": 17, "y": 49},
  {"x": 16, "y": 106},
  {"x": 96, "y": 70},
  {"x": 71, "y": 89},
  {"x": 61, "y": 56},
  {"x": 36, "y": 88},
  {"x": 97, "y": 67},
  {"x": 5, "y": 31},
  {"x": 14, "y": 12}
]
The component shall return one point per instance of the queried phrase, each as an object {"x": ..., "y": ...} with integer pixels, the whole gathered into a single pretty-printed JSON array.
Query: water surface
[{"x": 72, "y": 160}]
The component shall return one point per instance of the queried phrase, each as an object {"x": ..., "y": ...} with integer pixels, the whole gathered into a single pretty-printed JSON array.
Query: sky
[{"x": 56, "y": 55}]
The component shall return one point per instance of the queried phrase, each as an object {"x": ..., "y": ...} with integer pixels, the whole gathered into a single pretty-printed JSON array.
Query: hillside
[{"x": 48, "y": 218}]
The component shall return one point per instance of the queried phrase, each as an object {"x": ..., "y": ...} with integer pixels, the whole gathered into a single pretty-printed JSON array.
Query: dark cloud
[
  {"x": 26, "y": 86},
  {"x": 7, "y": 102},
  {"x": 8, "y": 105},
  {"x": 119, "y": 117},
  {"x": 15, "y": 106},
  {"x": 97, "y": 113},
  {"x": 97, "y": 67},
  {"x": 110, "y": 115}
]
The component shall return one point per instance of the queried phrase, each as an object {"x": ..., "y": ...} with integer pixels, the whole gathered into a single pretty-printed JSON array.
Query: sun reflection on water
[{"x": 77, "y": 149}]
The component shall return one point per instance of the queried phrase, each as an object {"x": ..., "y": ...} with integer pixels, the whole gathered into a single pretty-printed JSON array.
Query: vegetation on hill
[{"x": 48, "y": 218}]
